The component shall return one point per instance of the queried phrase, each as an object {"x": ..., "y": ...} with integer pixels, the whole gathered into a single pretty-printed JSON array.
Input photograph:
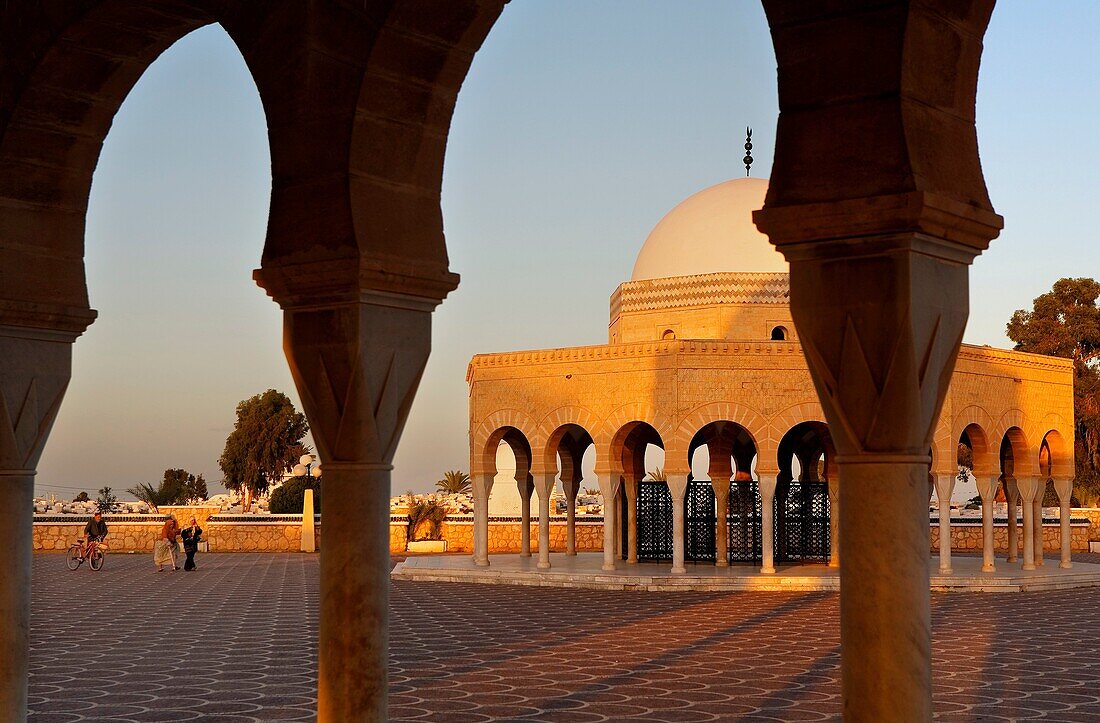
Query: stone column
[
  {"x": 631, "y": 486},
  {"x": 987, "y": 488},
  {"x": 572, "y": 487},
  {"x": 1012, "y": 499},
  {"x": 1029, "y": 487},
  {"x": 17, "y": 488},
  {"x": 356, "y": 360},
  {"x": 1064, "y": 487},
  {"x": 768, "y": 483},
  {"x": 544, "y": 486},
  {"x": 609, "y": 488},
  {"x": 677, "y": 487},
  {"x": 721, "y": 523},
  {"x": 35, "y": 367},
  {"x": 834, "y": 520},
  {"x": 945, "y": 485},
  {"x": 482, "y": 488},
  {"x": 526, "y": 488},
  {"x": 1037, "y": 511}
]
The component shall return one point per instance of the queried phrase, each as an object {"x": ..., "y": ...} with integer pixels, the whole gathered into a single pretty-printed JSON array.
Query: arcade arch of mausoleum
[{"x": 771, "y": 491}]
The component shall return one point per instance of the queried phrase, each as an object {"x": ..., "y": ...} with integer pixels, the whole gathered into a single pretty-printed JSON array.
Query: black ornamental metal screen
[
  {"x": 743, "y": 522},
  {"x": 654, "y": 521},
  {"x": 700, "y": 520},
  {"x": 802, "y": 522}
]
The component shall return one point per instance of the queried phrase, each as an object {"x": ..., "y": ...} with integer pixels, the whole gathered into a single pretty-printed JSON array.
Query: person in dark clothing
[
  {"x": 96, "y": 529},
  {"x": 192, "y": 535}
]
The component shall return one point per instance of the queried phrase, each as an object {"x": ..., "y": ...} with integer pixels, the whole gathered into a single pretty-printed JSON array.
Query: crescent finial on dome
[{"x": 748, "y": 150}]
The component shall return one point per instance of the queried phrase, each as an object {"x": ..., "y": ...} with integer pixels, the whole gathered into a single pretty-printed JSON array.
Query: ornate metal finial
[{"x": 748, "y": 150}]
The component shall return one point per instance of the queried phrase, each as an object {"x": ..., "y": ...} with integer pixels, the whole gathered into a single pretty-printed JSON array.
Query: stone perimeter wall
[{"x": 504, "y": 537}]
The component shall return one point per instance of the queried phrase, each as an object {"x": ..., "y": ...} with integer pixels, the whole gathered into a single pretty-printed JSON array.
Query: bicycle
[{"x": 93, "y": 553}]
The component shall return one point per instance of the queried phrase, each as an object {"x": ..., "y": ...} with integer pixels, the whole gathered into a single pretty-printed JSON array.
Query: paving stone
[{"x": 235, "y": 642}]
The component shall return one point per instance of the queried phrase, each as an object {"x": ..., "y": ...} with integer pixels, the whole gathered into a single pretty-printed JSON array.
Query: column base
[
  {"x": 1028, "y": 566},
  {"x": 525, "y": 554},
  {"x": 1065, "y": 565},
  {"x": 1012, "y": 559},
  {"x": 722, "y": 563},
  {"x": 481, "y": 563},
  {"x": 608, "y": 568},
  {"x": 678, "y": 570},
  {"x": 543, "y": 565},
  {"x": 767, "y": 571},
  {"x": 989, "y": 568},
  {"x": 946, "y": 571}
]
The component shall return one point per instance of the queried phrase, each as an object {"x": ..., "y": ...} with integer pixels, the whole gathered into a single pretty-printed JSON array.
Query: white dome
[{"x": 711, "y": 232}]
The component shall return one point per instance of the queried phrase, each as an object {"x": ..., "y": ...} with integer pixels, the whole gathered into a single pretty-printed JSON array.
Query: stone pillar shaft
[
  {"x": 834, "y": 521},
  {"x": 987, "y": 488},
  {"x": 677, "y": 487},
  {"x": 482, "y": 488},
  {"x": 609, "y": 487},
  {"x": 1012, "y": 497},
  {"x": 632, "y": 522},
  {"x": 721, "y": 527},
  {"x": 886, "y": 625},
  {"x": 544, "y": 487},
  {"x": 945, "y": 485},
  {"x": 525, "y": 518},
  {"x": 1028, "y": 489},
  {"x": 17, "y": 487},
  {"x": 1037, "y": 512},
  {"x": 768, "y": 483},
  {"x": 354, "y": 595},
  {"x": 1064, "y": 488}
]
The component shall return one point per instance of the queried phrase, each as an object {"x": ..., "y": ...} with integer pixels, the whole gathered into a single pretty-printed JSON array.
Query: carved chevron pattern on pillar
[
  {"x": 357, "y": 381},
  {"x": 870, "y": 393},
  {"x": 22, "y": 437}
]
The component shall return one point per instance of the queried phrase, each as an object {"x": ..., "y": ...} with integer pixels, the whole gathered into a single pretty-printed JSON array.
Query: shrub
[
  {"x": 289, "y": 497},
  {"x": 430, "y": 512}
]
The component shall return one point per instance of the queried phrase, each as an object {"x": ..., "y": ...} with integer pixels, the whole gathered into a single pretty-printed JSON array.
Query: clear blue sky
[{"x": 580, "y": 125}]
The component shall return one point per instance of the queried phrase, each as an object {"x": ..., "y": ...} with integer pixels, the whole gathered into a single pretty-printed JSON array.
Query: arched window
[
  {"x": 779, "y": 333},
  {"x": 669, "y": 335}
]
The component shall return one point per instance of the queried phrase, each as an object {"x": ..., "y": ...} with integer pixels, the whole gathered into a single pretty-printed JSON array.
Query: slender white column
[
  {"x": 834, "y": 520},
  {"x": 945, "y": 485},
  {"x": 525, "y": 517},
  {"x": 571, "y": 487},
  {"x": 677, "y": 486},
  {"x": 767, "y": 523},
  {"x": 1037, "y": 511},
  {"x": 1064, "y": 488},
  {"x": 1012, "y": 497},
  {"x": 544, "y": 485},
  {"x": 987, "y": 488},
  {"x": 1028, "y": 488},
  {"x": 721, "y": 527},
  {"x": 631, "y": 522},
  {"x": 482, "y": 488},
  {"x": 609, "y": 486},
  {"x": 17, "y": 488}
]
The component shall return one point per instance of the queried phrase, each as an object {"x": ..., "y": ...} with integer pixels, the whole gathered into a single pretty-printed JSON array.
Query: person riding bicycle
[{"x": 96, "y": 529}]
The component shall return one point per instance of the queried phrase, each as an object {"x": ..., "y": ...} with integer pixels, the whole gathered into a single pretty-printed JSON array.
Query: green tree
[
  {"x": 454, "y": 482},
  {"x": 82, "y": 497},
  {"x": 178, "y": 487},
  {"x": 265, "y": 442},
  {"x": 106, "y": 501},
  {"x": 1065, "y": 322},
  {"x": 658, "y": 475},
  {"x": 289, "y": 497}
]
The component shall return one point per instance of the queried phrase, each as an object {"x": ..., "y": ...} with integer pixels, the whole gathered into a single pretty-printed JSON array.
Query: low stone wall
[
  {"x": 283, "y": 533},
  {"x": 1091, "y": 514},
  {"x": 967, "y": 537}
]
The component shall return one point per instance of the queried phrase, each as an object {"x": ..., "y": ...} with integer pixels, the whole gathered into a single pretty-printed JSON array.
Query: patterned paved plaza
[{"x": 233, "y": 642}]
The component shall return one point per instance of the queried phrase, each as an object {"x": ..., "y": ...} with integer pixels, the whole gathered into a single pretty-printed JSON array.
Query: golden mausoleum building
[{"x": 704, "y": 362}]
